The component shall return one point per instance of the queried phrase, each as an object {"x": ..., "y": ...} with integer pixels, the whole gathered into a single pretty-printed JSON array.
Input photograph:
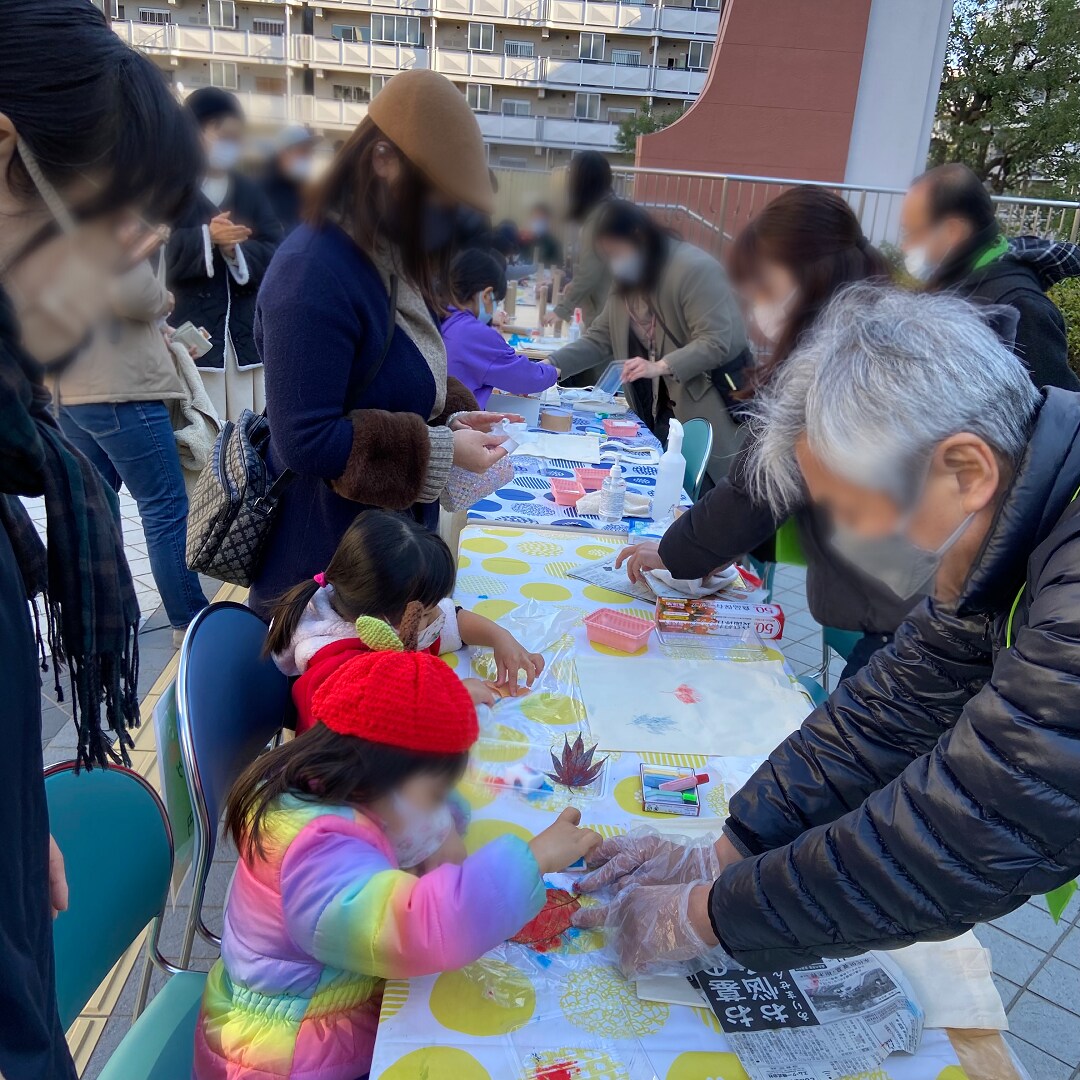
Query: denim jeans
[{"x": 132, "y": 442}]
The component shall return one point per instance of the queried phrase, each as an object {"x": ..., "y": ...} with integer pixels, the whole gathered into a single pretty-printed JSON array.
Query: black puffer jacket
[{"x": 940, "y": 786}]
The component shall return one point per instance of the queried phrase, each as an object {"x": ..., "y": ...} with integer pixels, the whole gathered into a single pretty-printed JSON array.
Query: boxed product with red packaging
[{"x": 681, "y": 620}]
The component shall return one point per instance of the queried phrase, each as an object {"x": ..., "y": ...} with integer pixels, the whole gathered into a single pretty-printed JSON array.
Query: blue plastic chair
[
  {"x": 230, "y": 702},
  {"x": 697, "y": 446},
  {"x": 114, "y": 834}
]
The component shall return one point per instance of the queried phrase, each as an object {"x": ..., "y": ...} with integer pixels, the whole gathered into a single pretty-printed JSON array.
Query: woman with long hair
[
  {"x": 360, "y": 407},
  {"x": 674, "y": 322},
  {"x": 589, "y": 186},
  {"x": 93, "y": 150},
  {"x": 788, "y": 263}
]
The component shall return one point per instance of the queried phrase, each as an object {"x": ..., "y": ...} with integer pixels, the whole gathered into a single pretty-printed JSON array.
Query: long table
[{"x": 567, "y": 1014}]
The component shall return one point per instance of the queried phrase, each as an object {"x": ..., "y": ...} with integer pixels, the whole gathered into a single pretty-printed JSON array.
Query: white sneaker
[{"x": 178, "y": 633}]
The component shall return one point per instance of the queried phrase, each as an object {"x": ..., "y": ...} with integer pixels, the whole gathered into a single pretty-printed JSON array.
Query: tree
[
  {"x": 1010, "y": 96},
  {"x": 644, "y": 122}
]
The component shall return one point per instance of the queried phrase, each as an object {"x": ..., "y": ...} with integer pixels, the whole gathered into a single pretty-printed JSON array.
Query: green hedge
[{"x": 1067, "y": 297}]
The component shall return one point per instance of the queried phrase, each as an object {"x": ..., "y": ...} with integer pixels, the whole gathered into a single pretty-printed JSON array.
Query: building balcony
[
  {"x": 489, "y": 67},
  {"x": 407, "y": 7},
  {"x": 578, "y": 14},
  {"x": 678, "y": 81},
  {"x": 176, "y": 40},
  {"x": 548, "y": 131},
  {"x": 321, "y": 112},
  {"x": 586, "y": 76},
  {"x": 321, "y": 52},
  {"x": 598, "y": 15},
  {"x": 676, "y": 20}
]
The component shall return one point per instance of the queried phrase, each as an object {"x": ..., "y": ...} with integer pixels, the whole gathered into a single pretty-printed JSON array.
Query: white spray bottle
[{"x": 669, "y": 475}]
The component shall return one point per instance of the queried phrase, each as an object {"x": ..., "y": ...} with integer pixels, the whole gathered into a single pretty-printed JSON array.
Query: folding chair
[
  {"x": 697, "y": 446},
  {"x": 230, "y": 702}
]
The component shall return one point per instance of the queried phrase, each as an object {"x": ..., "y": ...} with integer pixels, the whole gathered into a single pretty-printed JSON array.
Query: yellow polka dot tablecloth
[{"x": 560, "y": 1011}]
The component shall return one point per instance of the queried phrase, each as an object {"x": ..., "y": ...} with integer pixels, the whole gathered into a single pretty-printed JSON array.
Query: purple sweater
[{"x": 479, "y": 356}]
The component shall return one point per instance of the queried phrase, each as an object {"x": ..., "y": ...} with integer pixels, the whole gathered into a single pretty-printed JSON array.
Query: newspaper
[
  {"x": 824, "y": 1021},
  {"x": 608, "y": 576}
]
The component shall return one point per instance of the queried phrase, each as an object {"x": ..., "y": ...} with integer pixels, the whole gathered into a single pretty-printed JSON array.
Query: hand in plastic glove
[
  {"x": 654, "y": 928},
  {"x": 647, "y": 858}
]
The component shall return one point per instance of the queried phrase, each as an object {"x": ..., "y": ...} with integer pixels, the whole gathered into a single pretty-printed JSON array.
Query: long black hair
[
  {"x": 622, "y": 220},
  {"x": 473, "y": 270},
  {"x": 383, "y": 563},
  {"x": 88, "y": 106},
  {"x": 588, "y": 182},
  {"x": 327, "y": 768}
]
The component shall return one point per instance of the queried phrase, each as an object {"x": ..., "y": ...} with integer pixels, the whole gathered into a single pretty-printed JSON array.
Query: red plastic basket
[
  {"x": 566, "y": 492},
  {"x": 627, "y": 633},
  {"x": 620, "y": 429},
  {"x": 591, "y": 479}
]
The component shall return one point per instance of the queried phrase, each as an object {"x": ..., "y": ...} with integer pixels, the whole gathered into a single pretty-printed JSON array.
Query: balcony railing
[
  {"x": 577, "y": 74},
  {"x": 488, "y": 67},
  {"x": 366, "y": 55},
  {"x": 202, "y": 41},
  {"x": 554, "y": 131}
]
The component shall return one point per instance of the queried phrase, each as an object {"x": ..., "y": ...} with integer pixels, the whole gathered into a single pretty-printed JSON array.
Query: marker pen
[{"x": 684, "y": 783}]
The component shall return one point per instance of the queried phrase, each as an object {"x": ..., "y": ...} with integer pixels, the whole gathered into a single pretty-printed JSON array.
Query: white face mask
[
  {"x": 300, "y": 169},
  {"x": 771, "y": 316},
  {"x": 430, "y": 634},
  {"x": 417, "y": 834},
  {"x": 538, "y": 227},
  {"x": 627, "y": 269},
  {"x": 223, "y": 154},
  {"x": 917, "y": 263}
]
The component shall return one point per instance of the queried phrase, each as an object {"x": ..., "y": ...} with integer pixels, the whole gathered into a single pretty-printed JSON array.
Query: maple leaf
[{"x": 575, "y": 768}]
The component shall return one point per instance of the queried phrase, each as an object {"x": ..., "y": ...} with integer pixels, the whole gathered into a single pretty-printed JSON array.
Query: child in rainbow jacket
[{"x": 320, "y": 912}]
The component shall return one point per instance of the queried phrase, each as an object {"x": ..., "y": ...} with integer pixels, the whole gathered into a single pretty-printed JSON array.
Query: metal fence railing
[{"x": 709, "y": 209}]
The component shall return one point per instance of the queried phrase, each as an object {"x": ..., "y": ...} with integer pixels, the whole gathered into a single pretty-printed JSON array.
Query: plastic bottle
[
  {"x": 573, "y": 331},
  {"x": 669, "y": 475},
  {"x": 613, "y": 495}
]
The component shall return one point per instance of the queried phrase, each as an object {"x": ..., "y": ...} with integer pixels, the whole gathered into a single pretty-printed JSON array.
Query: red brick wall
[{"x": 780, "y": 95}]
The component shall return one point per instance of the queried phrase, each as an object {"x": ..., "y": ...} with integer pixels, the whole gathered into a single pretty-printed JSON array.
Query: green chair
[
  {"x": 696, "y": 448},
  {"x": 114, "y": 834}
]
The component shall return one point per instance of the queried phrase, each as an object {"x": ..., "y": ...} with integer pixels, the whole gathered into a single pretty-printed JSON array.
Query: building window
[
  {"x": 377, "y": 83},
  {"x": 155, "y": 16},
  {"x": 586, "y": 106},
  {"x": 270, "y": 27},
  {"x": 707, "y": 5},
  {"x": 513, "y": 163},
  {"x": 626, "y": 57},
  {"x": 344, "y": 33},
  {"x": 617, "y": 116},
  {"x": 700, "y": 55},
  {"x": 591, "y": 47},
  {"x": 222, "y": 14},
  {"x": 223, "y": 74},
  {"x": 481, "y": 37},
  {"x": 519, "y": 48},
  {"x": 395, "y": 29},
  {"x": 478, "y": 95},
  {"x": 350, "y": 93},
  {"x": 516, "y": 107},
  {"x": 269, "y": 84}
]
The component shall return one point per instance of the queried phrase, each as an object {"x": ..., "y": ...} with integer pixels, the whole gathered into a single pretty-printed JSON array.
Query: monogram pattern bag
[{"x": 233, "y": 504}]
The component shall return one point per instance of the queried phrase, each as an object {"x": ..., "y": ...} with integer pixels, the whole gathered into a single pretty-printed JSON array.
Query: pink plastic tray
[
  {"x": 566, "y": 492},
  {"x": 620, "y": 429},
  {"x": 591, "y": 479},
  {"x": 627, "y": 633}
]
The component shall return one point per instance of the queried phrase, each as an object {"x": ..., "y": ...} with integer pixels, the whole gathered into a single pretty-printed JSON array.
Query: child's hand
[
  {"x": 480, "y": 692},
  {"x": 452, "y": 851},
  {"x": 563, "y": 843},
  {"x": 511, "y": 658}
]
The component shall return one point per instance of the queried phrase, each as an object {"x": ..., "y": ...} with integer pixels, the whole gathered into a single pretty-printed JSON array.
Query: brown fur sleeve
[
  {"x": 388, "y": 461},
  {"x": 458, "y": 399}
]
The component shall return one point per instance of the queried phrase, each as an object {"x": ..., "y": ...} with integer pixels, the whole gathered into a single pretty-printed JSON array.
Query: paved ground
[{"x": 1036, "y": 962}]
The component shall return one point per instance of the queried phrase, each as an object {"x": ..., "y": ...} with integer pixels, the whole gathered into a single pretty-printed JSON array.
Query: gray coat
[
  {"x": 694, "y": 301},
  {"x": 591, "y": 283}
]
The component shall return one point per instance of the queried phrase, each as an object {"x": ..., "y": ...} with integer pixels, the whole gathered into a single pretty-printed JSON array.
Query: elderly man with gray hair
[{"x": 940, "y": 786}]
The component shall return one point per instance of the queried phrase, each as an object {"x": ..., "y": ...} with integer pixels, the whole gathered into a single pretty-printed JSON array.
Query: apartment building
[{"x": 545, "y": 77}]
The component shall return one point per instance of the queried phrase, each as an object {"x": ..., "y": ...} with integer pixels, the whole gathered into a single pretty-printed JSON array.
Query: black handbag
[{"x": 235, "y": 499}]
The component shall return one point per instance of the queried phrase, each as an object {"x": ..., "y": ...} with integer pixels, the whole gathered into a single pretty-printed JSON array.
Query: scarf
[
  {"x": 91, "y": 614},
  {"x": 1052, "y": 260},
  {"x": 415, "y": 318}
]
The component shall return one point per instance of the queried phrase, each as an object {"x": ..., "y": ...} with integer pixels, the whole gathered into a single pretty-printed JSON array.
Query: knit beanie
[
  {"x": 406, "y": 699},
  {"x": 427, "y": 117}
]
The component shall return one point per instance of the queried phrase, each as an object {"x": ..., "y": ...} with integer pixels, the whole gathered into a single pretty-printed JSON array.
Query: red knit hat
[{"x": 407, "y": 699}]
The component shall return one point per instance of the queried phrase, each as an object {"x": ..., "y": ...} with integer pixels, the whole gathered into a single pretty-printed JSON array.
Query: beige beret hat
[{"x": 427, "y": 117}]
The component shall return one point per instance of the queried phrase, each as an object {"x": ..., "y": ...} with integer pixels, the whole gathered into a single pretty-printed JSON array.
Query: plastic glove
[
  {"x": 645, "y": 857},
  {"x": 649, "y": 929}
]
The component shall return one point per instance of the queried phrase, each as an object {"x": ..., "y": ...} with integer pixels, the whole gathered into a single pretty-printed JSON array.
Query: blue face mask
[{"x": 482, "y": 312}]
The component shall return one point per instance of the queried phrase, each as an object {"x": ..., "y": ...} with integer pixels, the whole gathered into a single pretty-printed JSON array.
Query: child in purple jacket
[{"x": 476, "y": 353}]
